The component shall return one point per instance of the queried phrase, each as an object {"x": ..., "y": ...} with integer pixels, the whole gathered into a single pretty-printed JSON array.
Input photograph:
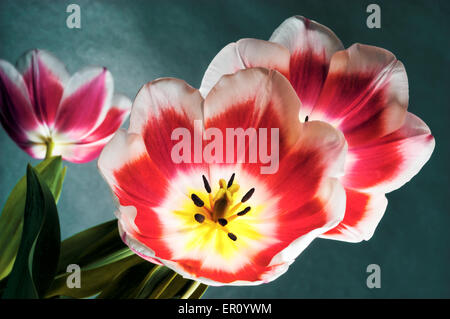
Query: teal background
[{"x": 143, "y": 40}]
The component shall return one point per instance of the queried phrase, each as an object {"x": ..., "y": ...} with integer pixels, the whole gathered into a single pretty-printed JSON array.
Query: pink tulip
[
  {"x": 48, "y": 112},
  {"x": 362, "y": 91}
]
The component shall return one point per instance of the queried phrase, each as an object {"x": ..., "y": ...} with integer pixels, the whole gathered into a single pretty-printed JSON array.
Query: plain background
[{"x": 140, "y": 41}]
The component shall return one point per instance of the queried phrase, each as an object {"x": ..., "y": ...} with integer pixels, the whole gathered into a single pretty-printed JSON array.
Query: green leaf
[
  {"x": 163, "y": 286},
  {"x": 176, "y": 288},
  {"x": 145, "y": 281},
  {"x": 52, "y": 173},
  {"x": 110, "y": 270},
  {"x": 101, "y": 255},
  {"x": 93, "y": 280},
  {"x": 38, "y": 254},
  {"x": 199, "y": 292},
  {"x": 150, "y": 281},
  {"x": 95, "y": 245},
  {"x": 128, "y": 283}
]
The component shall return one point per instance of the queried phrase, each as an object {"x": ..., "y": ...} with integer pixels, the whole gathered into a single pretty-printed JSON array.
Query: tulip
[
  {"x": 224, "y": 223},
  {"x": 362, "y": 91},
  {"x": 48, "y": 112}
]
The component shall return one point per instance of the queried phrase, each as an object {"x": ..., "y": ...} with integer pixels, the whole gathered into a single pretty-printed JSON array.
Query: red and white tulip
[
  {"x": 362, "y": 91},
  {"x": 224, "y": 223},
  {"x": 48, "y": 112}
]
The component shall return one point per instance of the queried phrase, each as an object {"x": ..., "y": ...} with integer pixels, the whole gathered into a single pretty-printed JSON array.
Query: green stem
[
  {"x": 141, "y": 289},
  {"x": 193, "y": 286},
  {"x": 117, "y": 255},
  {"x": 163, "y": 286},
  {"x": 50, "y": 145}
]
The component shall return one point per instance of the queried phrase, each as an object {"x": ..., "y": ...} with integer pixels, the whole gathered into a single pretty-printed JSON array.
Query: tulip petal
[
  {"x": 243, "y": 54},
  {"x": 89, "y": 148},
  {"x": 86, "y": 101},
  {"x": 126, "y": 229},
  {"x": 133, "y": 176},
  {"x": 258, "y": 99},
  {"x": 389, "y": 162},
  {"x": 117, "y": 114},
  {"x": 311, "y": 46},
  {"x": 45, "y": 77},
  {"x": 362, "y": 215},
  {"x": 365, "y": 94},
  {"x": 320, "y": 151},
  {"x": 311, "y": 220},
  {"x": 16, "y": 112},
  {"x": 138, "y": 185},
  {"x": 161, "y": 107}
]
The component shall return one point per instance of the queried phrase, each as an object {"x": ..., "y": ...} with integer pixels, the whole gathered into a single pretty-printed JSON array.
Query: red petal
[
  {"x": 16, "y": 112},
  {"x": 160, "y": 107},
  {"x": 311, "y": 45},
  {"x": 138, "y": 185},
  {"x": 389, "y": 162},
  {"x": 365, "y": 94},
  {"x": 45, "y": 77},
  {"x": 87, "y": 149},
  {"x": 257, "y": 99},
  {"x": 362, "y": 215},
  {"x": 319, "y": 153},
  {"x": 85, "y": 103},
  {"x": 116, "y": 115}
]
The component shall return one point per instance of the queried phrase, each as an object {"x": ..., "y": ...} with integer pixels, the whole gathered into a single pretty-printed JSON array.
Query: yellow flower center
[
  {"x": 220, "y": 224},
  {"x": 220, "y": 209}
]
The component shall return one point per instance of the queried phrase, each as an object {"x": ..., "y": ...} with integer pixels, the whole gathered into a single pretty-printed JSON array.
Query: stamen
[
  {"x": 222, "y": 183},
  {"x": 199, "y": 218},
  {"x": 230, "y": 182},
  {"x": 245, "y": 211},
  {"x": 211, "y": 201},
  {"x": 219, "y": 210},
  {"x": 206, "y": 184},
  {"x": 207, "y": 211},
  {"x": 306, "y": 118},
  {"x": 197, "y": 201},
  {"x": 248, "y": 195},
  {"x": 234, "y": 208}
]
